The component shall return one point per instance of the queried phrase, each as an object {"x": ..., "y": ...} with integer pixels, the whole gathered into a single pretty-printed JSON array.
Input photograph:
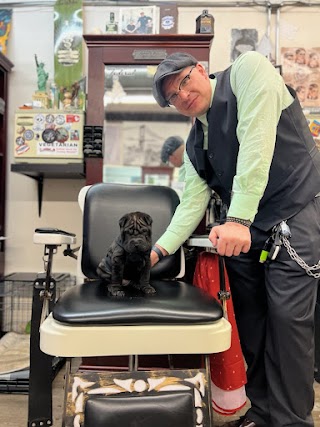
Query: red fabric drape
[{"x": 227, "y": 368}]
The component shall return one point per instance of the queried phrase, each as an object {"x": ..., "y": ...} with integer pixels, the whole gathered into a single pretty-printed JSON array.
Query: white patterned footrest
[{"x": 92, "y": 398}]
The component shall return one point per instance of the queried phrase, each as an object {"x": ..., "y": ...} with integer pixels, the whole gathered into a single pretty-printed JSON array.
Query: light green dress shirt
[
  {"x": 261, "y": 96},
  {"x": 182, "y": 173}
]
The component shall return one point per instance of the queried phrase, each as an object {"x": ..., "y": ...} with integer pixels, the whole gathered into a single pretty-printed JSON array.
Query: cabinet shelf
[
  {"x": 39, "y": 171},
  {"x": 50, "y": 170}
]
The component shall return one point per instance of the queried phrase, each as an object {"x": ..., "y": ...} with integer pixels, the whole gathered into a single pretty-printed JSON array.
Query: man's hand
[{"x": 230, "y": 238}]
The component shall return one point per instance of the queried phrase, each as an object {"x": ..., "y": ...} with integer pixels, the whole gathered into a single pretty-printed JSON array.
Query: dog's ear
[
  {"x": 147, "y": 218},
  {"x": 123, "y": 220}
]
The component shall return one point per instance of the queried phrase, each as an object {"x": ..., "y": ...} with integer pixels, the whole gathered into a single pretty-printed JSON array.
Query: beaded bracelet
[{"x": 245, "y": 222}]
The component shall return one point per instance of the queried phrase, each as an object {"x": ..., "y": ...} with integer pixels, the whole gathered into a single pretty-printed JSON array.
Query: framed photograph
[
  {"x": 243, "y": 40},
  {"x": 139, "y": 20},
  {"x": 104, "y": 22}
]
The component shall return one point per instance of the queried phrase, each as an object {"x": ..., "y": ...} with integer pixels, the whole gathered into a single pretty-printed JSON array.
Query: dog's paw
[
  {"x": 148, "y": 290},
  {"x": 145, "y": 289},
  {"x": 116, "y": 291}
]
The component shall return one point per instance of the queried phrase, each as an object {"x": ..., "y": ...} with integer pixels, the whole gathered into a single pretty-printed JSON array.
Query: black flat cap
[
  {"x": 170, "y": 145},
  {"x": 173, "y": 64}
]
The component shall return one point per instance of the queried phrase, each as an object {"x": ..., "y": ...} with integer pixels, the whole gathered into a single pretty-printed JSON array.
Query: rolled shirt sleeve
[
  {"x": 189, "y": 213},
  {"x": 261, "y": 96}
]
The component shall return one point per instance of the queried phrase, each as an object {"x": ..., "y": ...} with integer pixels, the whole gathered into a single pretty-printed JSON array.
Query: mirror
[{"x": 135, "y": 127}]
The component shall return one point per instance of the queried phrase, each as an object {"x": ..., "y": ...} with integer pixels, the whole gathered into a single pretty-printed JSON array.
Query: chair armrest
[
  {"x": 53, "y": 236},
  {"x": 200, "y": 241}
]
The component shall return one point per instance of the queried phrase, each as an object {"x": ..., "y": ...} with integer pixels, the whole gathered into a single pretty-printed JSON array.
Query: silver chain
[{"x": 293, "y": 254}]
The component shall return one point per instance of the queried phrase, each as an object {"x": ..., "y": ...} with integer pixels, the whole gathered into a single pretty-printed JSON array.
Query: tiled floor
[{"x": 14, "y": 407}]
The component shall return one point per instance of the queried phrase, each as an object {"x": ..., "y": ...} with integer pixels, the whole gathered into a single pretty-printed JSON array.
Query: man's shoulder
[
  {"x": 250, "y": 63},
  {"x": 249, "y": 59}
]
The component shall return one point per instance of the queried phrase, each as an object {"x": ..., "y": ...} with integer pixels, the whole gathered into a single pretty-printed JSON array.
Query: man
[
  {"x": 143, "y": 24},
  {"x": 251, "y": 144},
  {"x": 172, "y": 152}
]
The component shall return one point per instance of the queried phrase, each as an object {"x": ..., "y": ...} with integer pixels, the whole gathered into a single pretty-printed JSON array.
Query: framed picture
[
  {"x": 168, "y": 19},
  {"x": 139, "y": 20}
]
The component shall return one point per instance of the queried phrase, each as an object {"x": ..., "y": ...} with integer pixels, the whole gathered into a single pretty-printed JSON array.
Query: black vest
[{"x": 294, "y": 177}]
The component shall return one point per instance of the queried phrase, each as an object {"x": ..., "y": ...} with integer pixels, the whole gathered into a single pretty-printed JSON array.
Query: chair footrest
[
  {"x": 67, "y": 341},
  {"x": 150, "y": 398}
]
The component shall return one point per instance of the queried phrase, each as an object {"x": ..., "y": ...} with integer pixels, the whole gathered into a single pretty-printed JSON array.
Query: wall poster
[{"x": 301, "y": 71}]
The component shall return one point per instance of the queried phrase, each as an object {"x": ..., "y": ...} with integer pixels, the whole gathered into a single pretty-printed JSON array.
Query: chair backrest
[{"x": 106, "y": 203}]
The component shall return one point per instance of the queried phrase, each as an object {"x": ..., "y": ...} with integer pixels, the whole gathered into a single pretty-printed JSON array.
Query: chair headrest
[{"x": 106, "y": 203}]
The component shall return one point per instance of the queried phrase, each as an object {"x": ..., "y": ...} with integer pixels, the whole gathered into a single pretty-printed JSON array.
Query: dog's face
[{"x": 135, "y": 230}]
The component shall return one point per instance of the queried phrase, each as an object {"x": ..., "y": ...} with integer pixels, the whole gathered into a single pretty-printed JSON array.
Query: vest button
[
  {"x": 219, "y": 173},
  {"x": 211, "y": 155}
]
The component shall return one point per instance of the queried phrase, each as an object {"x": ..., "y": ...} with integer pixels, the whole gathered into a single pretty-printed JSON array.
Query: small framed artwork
[
  {"x": 168, "y": 19},
  {"x": 139, "y": 20}
]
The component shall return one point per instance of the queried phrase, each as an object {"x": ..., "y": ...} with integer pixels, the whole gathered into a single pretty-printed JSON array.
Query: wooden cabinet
[
  {"x": 5, "y": 68},
  {"x": 130, "y": 49}
]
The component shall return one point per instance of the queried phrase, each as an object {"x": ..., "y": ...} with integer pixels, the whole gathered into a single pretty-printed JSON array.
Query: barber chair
[{"x": 85, "y": 322}]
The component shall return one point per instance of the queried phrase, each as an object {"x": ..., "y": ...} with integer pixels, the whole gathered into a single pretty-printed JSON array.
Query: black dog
[{"x": 127, "y": 261}]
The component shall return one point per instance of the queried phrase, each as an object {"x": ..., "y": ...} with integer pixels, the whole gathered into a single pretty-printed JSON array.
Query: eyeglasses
[{"x": 182, "y": 86}]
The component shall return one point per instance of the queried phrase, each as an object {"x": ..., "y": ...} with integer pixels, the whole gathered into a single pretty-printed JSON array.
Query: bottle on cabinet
[{"x": 205, "y": 23}]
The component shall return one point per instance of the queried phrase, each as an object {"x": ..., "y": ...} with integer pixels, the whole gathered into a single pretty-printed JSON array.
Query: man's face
[
  {"x": 313, "y": 92},
  {"x": 176, "y": 157},
  {"x": 301, "y": 94},
  {"x": 194, "y": 99},
  {"x": 313, "y": 61},
  {"x": 301, "y": 57}
]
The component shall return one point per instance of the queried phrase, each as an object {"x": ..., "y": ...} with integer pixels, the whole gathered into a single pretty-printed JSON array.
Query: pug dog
[{"x": 127, "y": 261}]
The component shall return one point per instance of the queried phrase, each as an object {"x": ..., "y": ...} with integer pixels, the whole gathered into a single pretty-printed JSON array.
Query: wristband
[
  {"x": 158, "y": 252},
  {"x": 245, "y": 222}
]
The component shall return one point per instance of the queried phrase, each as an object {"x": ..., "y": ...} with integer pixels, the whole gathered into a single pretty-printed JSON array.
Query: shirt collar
[{"x": 203, "y": 117}]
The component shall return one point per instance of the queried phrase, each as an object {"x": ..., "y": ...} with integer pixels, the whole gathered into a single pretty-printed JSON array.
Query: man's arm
[
  {"x": 189, "y": 213},
  {"x": 261, "y": 96}
]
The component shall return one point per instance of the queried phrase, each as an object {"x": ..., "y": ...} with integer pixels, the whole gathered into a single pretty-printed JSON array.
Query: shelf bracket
[{"x": 39, "y": 180}]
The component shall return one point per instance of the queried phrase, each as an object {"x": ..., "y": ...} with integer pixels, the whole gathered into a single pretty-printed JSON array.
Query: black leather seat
[{"x": 178, "y": 319}]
